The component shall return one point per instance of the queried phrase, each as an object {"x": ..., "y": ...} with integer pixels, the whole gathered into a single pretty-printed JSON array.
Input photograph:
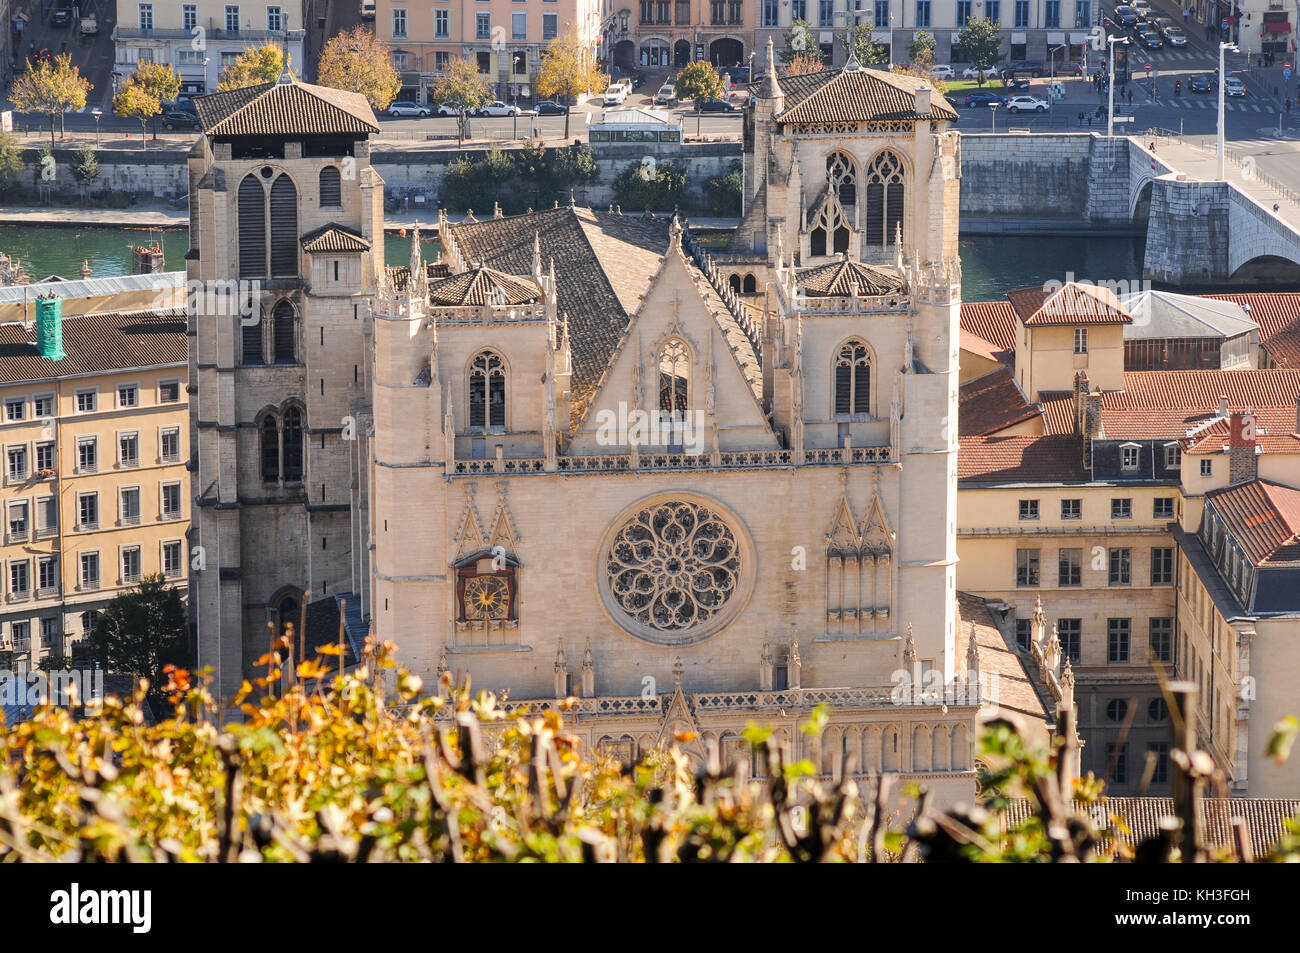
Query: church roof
[
  {"x": 839, "y": 279},
  {"x": 858, "y": 95},
  {"x": 482, "y": 286},
  {"x": 285, "y": 109},
  {"x": 334, "y": 238}
]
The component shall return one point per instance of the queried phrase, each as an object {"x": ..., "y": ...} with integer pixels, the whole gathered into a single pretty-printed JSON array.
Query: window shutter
[
  {"x": 285, "y": 338},
  {"x": 284, "y": 228},
  {"x": 862, "y": 388},
  {"x": 252, "y": 229},
  {"x": 251, "y": 336},
  {"x": 270, "y": 451},
  {"x": 875, "y": 214},
  {"x": 331, "y": 191},
  {"x": 292, "y": 445},
  {"x": 843, "y": 387}
]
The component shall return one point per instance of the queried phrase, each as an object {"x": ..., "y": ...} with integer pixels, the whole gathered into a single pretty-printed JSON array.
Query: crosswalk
[
  {"x": 1184, "y": 102},
  {"x": 1169, "y": 55}
]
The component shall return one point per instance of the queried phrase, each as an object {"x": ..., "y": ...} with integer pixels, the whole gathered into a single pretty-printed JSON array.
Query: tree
[
  {"x": 980, "y": 42},
  {"x": 698, "y": 81},
  {"x": 158, "y": 80},
  {"x": 867, "y": 50},
  {"x": 651, "y": 186},
  {"x": 461, "y": 88},
  {"x": 358, "y": 61},
  {"x": 133, "y": 101},
  {"x": 256, "y": 65},
  {"x": 921, "y": 50},
  {"x": 801, "y": 64},
  {"x": 141, "y": 631},
  {"x": 800, "y": 41},
  {"x": 50, "y": 88},
  {"x": 85, "y": 166},
  {"x": 567, "y": 70},
  {"x": 722, "y": 192},
  {"x": 11, "y": 159}
]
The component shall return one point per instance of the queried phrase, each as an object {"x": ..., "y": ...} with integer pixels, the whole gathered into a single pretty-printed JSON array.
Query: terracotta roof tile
[
  {"x": 1072, "y": 303},
  {"x": 1016, "y": 690},
  {"x": 840, "y": 278},
  {"x": 861, "y": 95},
  {"x": 1275, "y": 432},
  {"x": 285, "y": 109},
  {"x": 334, "y": 238},
  {"x": 1156, "y": 404},
  {"x": 991, "y": 403},
  {"x": 482, "y": 285},
  {"x": 1278, "y": 315},
  {"x": 1264, "y": 517},
  {"x": 1058, "y": 410},
  {"x": 1020, "y": 459},
  {"x": 974, "y": 344},
  {"x": 994, "y": 321},
  {"x": 97, "y": 343}
]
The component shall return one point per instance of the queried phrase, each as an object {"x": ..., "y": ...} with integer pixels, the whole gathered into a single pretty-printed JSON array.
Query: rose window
[{"x": 673, "y": 567}]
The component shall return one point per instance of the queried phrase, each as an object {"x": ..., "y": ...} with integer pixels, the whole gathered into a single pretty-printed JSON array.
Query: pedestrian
[
  {"x": 1276, "y": 208},
  {"x": 1080, "y": 118}
]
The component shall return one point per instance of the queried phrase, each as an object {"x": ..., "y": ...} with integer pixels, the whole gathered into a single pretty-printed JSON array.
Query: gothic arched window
[
  {"x": 290, "y": 613},
  {"x": 331, "y": 189},
  {"x": 292, "y": 454},
  {"x": 734, "y": 281},
  {"x": 751, "y": 285},
  {"x": 250, "y": 336},
  {"x": 487, "y": 391},
  {"x": 674, "y": 376},
  {"x": 843, "y": 180},
  {"x": 270, "y": 437},
  {"x": 284, "y": 228},
  {"x": 853, "y": 379},
  {"x": 817, "y": 242},
  {"x": 283, "y": 334},
  {"x": 252, "y": 228},
  {"x": 884, "y": 198}
]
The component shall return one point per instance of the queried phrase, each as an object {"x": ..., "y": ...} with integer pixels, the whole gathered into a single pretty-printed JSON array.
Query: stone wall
[{"x": 1011, "y": 175}]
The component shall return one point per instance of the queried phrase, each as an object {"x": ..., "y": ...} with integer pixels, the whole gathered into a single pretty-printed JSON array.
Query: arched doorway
[
  {"x": 727, "y": 52},
  {"x": 682, "y": 53},
  {"x": 655, "y": 52},
  {"x": 625, "y": 55}
]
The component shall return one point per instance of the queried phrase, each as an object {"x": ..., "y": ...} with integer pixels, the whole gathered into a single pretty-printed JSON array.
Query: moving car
[
  {"x": 941, "y": 72},
  {"x": 1202, "y": 83},
  {"x": 179, "y": 119},
  {"x": 666, "y": 96},
  {"x": 407, "y": 109},
  {"x": 549, "y": 108},
  {"x": 715, "y": 106},
  {"x": 984, "y": 99},
  {"x": 1018, "y": 104},
  {"x": 1033, "y": 67},
  {"x": 498, "y": 108},
  {"x": 61, "y": 17},
  {"x": 615, "y": 95},
  {"x": 1233, "y": 86},
  {"x": 1149, "y": 38},
  {"x": 1142, "y": 8},
  {"x": 1175, "y": 36},
  {"x": 1126, "y": 16}
]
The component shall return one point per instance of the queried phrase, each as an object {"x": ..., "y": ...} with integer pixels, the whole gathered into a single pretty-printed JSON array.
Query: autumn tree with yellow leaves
[
  {"x": 254, "y": 66},
  {"x": 358, "y": 61},
  {"x": 50, "y": 88},
  {"x": 568, "y": 70}
]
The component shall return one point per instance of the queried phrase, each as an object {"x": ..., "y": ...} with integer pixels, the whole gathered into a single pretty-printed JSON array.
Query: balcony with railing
[
  {"x": 131, "y": 520},
  {"x": 46, "y": 532},
  {"x": 131, "y": 578},
  {"x": 88, "y": 527},
  {"x": 211, "y": 33}
]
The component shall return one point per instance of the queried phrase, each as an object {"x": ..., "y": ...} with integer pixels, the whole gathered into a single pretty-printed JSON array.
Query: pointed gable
[
  {"x": 285, "y": 109},
  {"x": 858, "y": 95}
]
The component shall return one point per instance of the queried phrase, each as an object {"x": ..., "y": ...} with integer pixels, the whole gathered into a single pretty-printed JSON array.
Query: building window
[
  {"x": 1162, "y": 566},
  {"x": 146, "y": 18},
  {"x": 284, "y": 333},
  {"x": 963, "y": 12},
  {"x": 922, "y": 13},
  {"x": 798, "y": 10},
  {"x": 20, "y": 580},
  {"x": 270, "y": 450},
  {"x": 1162, "y": 508},
  {"x": 1207, "y": 468},
  {"x": 90, "y": 570},
  {"x": 274, "y": 20},
  {"x": 169, "y": 445},
  {"x": 1024, "y": 633},
  {"x": 1029, "y": 509},
  {"x": 769, "y": 13},
  {"x": 519, "y": 63},
  {"x": 232, "y": 20},
  {"x": 1160, "y": 773},
  {"x": 993, "y": 10},
  {"x": 284, "y": 228},
  {"x": 43, "y": 406},
  {"x": 884, "y": 198},
  {"x": 87, "y": 455},
  {"x": 129, "y": 506},
  {"x": 1083, "y": 13},
  {"x": 189, "y": 16},
  {"x": 17, "y": 529},
  {"x": 1117, "y": 640},
  {"x": 647, "y": 11},
  {"x": 550, "y": 26},
  {"x": 1116, "y": 760},
  {"x": 487, "y": 392},
  {"x": 15, "y": 409},
  {"x": 85, "y": 401},
  {"x": 1129, "y": 456},
  {"x": 47, "y": 575},
  {"x": 1161, "y": 634},
  {"x": 882, "y": 14},
  {"x": 250, "y": 336},
  {"x": 47, "y": 516},
  {"x": 1027, "y": 567},
  {"x": 853, "y": 380},
  {"x": 1052, "y": 13},
  {"x": 45, "y": 462},
  {"x": 17, "y": 464},
  {"x": 442, "y": 24},
  {"x": 483, "y": 26},
  {"x": 441, "y": 60},
  {"x": 171, "y": 559},
  {"x": 293, "y": 466},
  {"x": 169, "y": 392},
  {"x": 252, "y": 233},
  {"x": 1121, "y": 508},
  {"x": 21, "y": 636},
  {"x": 1069, "y": 632},
  {"x": 1071, "y": 509},
  {"x": 1157, "y": 709},
  {"x": 826, "y": 13},
  {"x": 171, "y": 501},
  {"x": 1121, "y": 567},
  {"x": 1069, "y": 567},
  {"x": 1022, "y": 13},
  {"x": 131, "y": 565},
  {"x": 1173, "y": 456},
  {"x": 717, "y": 12},
  {"x": 128, "y": 450},
  {"x": 331, "y": 188},
  {"x": 399, "y": 23},
  {"x": 1116, "y": 709},
  {"x": 518, "y": 26},
  {"x": 674, "y": 379}
]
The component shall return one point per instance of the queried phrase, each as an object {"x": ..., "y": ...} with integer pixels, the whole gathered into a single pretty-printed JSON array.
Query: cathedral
[{"x": 587, "y": 455}]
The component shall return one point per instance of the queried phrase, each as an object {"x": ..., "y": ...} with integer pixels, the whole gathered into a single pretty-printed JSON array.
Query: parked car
[
  {"x": 984, "y": 99},
  {"x": 446, "y": 109},
  {"x": 1017, "y": 104},
  {"x": 1142, "y": 8},
  {"x": 1175, "y": 36},
  {"x": 615, "y": 95},
  {"x": 1126, "y": 16},
  {"x": 498, "y": 108},
  {"x": 89, "y": 26},
  {"x": 1069, "y": 69},
  {"x": 973, "y": 72},
  {"x": 941, "y": 71},
  {"x": 549, "y": 108},
  {"x": 1233, "y": 86},
  {"x": 404, "y": 108},
  {"x": 667, "y": 95},
  {"x": 181, "y": 104},
  {"x": 178, "y": 119},
  {"x": 1149, "y": 38},
  {"x": 715, "y": 106},
  {"x": 1202, "y": 83},
  {"x": 1033, "y": 67}
]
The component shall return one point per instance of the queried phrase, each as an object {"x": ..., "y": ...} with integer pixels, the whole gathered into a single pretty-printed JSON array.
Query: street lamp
[
  {"x": 1222, "y": 48},
  {"x": 1110, "y": 107},
  {"x": 994, "y": 106},
  {"x": 97, "y": 113}
]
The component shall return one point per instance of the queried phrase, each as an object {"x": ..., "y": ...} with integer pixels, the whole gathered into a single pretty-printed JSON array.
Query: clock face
[{"x": 487, "y": 598}]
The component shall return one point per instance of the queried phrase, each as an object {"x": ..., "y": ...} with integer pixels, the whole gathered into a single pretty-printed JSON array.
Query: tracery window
[
  {"x": 842, "y": 178},
  {"x": 853, "y": 379},
  {"x": 487, "y": 392},
  {"x": 281, "y": 446},
  {"x": 884, "y": 198},
  {"x": 674, "y": 376}
]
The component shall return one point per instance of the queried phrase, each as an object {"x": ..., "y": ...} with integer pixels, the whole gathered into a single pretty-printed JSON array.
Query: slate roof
[
  {"x": 1265, "y": 818},
  {"x": 861, "y": 95},
  {"x": 1162, "y": 314},
  {"x": 1265, "y": 518},
  {"x": 991, "y": 403},
  {"x": 838, "y": 279},
  {"x": 1072, "y": 303},
  {"x": 1278, "y": 315},
  {"x": 285, "y": 109},
  {"x": 482, "y": 285},
  {"x": 1021, "y": 459},
  {"x": 97, "y": 343},
  {"x": 1016, "y": 690},
  {"x": 334, "y": 238}
]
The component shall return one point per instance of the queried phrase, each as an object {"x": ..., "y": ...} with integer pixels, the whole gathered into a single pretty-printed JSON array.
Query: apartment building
[
  {"x": 202, "y": 38},
  {"x": 96, "y": 493},
  {"x": 504, "y": 38},
  {"x": 671, "y": 33}
]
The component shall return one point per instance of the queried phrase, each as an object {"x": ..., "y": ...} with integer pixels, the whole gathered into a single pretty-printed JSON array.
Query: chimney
[
  {"x": 923, "y": 100},
  {"x": 1090, "y": 425},
  {"x": 1080, "y": 398},
  {"x": 1223, "y": 405},
  {"x": 1243, "y": 467}
]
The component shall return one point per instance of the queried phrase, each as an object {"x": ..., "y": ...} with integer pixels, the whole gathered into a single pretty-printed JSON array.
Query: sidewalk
[
  {"x": 141, "y": 216},
  {"x": 1198, "y": 163}
]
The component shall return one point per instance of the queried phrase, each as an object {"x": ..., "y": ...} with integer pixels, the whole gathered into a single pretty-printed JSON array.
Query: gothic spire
[
  {"x": 771, "y": 89},
  {"x": 418, "y": 284}
]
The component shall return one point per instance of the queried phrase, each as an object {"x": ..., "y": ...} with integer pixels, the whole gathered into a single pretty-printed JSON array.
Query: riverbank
[{"x": 140, "y": 216}]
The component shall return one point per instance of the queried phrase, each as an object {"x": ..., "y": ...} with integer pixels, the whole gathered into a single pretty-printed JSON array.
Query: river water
[{"x": 990, "y": 264}]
